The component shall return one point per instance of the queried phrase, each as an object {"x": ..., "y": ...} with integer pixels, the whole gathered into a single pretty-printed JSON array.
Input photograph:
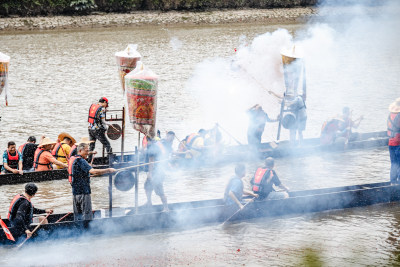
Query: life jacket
[
  {"x": 12, "y": 161},
  {"x": 36, "y": 162},
  {"x": 56, "y": 148},
  {"x": 190, "y": 140},
  {"x": 393, "y": 125},
  {"x": 12, "y": 212},
  {"x": 259, "y": 178},
  {"x": 73, "y": 151},
  {"x": 21, "y": 148},
  {"x": 71, "y": 167},
  {"x": 94, "y": 111}
]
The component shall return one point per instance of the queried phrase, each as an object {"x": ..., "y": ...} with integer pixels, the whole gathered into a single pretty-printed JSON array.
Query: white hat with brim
[
  {"x": 62, "y": 135},
  {"x": 46, "y": 141},
  {"x": 395, "y": 106},
  {"x": 84, "y": 140}
]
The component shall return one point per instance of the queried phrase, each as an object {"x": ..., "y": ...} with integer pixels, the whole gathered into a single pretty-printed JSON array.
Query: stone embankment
[{"x": 140, "y": 18}]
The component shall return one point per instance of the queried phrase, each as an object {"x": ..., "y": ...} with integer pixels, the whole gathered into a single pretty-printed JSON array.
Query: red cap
[{"x": 103, "y": 99}]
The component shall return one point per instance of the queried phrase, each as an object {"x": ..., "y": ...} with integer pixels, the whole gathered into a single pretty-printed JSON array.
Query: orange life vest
[
  {"x": 259, "y": 179},
  {"x": 12, "y": 161},
  {"x": 94, "y": 111},
  {"x": 36, "y": 162},
  {"x": 56, "y": 148},
  {"x": 144, "y": 142},
  {"x": 71, "y": 165},
  {"x": 21, "y": 148},
  {"x": 12, "y": 212},
  {"x": 393, "y": 125},
  {"x": 190, "y": 140}
]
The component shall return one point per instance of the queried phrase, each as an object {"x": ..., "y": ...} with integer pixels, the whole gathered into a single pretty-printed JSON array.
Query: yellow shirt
[{"x": 63, "y": 159}]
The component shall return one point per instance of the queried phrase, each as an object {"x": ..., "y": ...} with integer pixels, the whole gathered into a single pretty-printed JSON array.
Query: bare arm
[
  {"x": 101, "y": 171},
  {"x": 59, "y": 163},
  {"x": 250, "y": 193},
  {"x": 8, "y": 168},
  {"x": 234, "y": 198}
]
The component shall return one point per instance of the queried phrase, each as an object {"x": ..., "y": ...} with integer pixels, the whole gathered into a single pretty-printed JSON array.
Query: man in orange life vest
[
  {"x": 79, "y": 172},
  {"x": 234, "y": 190},
  {"x": 158, "y": 151},
  {"x": 12, "y": 160},
  {"x": 44, "y": 159},
  {"x": 21, "y": 212},
  {"x": 264, "y": 178},
  {"x": 393, "y": 124},
  {"x": 98, "y": 126}
]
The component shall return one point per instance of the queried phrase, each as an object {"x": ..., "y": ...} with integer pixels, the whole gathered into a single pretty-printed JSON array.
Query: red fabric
[{"x": 6, "y": 231}]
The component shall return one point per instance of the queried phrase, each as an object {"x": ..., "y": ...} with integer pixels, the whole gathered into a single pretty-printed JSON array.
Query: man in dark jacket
[{"x": 21, "y": 212}]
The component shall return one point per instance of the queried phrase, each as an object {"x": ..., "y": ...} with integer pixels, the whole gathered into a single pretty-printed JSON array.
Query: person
[
  {"x": 329, "y": 130},
  {"x": 12, "y": 160},
  {"x": 79, "y": 172},
  {"x": 257, "y": 120},
  {"x": 195, "y": 144},
  {"x": 158, "y": 153},
  {"x": 346, "y": 124},
  {"x": 298, "y": 106},
  {"x": 393, "y": 131},
  {"x": 98, "y": 126},
  {"x": 62, "y": 149},
  {"x": 234, "y": 190},
  {"x": 43, "y": 159},
  {"x": 27, "y": 151},
  {"x": 20, "y": 213},
  {"x": 264, "y": 178}
]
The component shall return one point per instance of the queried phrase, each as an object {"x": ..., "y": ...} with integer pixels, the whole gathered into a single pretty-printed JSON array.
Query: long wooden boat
[
  {"x": 200, "y": 213},
  {"x": 230, "y": 154}
]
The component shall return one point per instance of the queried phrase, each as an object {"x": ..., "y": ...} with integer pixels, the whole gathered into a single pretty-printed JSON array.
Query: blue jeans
[{"x": 394, "y": 152}]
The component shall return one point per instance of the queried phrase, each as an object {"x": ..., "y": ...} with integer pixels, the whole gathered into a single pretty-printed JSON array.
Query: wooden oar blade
[{"x": 6, "y": 231}]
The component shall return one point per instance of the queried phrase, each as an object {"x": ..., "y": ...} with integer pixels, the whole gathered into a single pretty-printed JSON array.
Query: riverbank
[{"x": 142, "y": 18}]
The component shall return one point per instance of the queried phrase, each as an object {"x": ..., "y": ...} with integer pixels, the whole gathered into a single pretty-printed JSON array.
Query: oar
[
  {"x": 6, "y": 230},
  {"x": 239, "y": 210},
  {"x": 34, "y": 230},
  {"x": 228, "y": 134},
  {"x": 140, "y": 165},
  {"x": 63, "y": 217}
]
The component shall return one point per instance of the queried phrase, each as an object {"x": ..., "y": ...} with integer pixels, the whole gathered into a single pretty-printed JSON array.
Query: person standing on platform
[
  {"x": 12, "y": 160},
  {"x": 158, "y": 152},
  {"x": 298, "y": 107},
  {"x": 79, "y": 172},
  {"x": 393, "y": 131},
  {"x": 98, "y": 126}
]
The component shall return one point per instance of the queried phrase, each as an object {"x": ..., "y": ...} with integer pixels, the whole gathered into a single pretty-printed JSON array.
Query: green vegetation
[{"x": 83, "y": 7}]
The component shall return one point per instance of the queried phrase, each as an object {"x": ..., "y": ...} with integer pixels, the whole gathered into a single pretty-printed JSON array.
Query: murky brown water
[{"x": 55, "y": 75}]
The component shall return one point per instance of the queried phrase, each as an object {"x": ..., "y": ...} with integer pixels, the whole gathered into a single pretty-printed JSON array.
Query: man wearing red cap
[{"x": 98, "y": 126}]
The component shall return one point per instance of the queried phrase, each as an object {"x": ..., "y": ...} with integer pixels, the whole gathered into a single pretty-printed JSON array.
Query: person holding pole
[
  {"x": 79, "y": 172},
  {"x": 257, "y": 120},
  {"x": 20, "y": 213}
]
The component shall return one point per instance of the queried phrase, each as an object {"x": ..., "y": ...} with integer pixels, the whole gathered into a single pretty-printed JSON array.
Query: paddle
[
  {"x": 6, "y": 230},
  {"x": 63, "y": 217},
  {"x": 228, "y": 134},
  {"x": 239, "y": 210},
  {"x": 34, "y": 230}
]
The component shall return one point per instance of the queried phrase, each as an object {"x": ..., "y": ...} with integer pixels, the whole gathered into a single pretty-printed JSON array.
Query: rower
[
  {"x": 347, "y": 124},
  {"x": 195, "y": 143},
  {"x": 43, "y": 158},
  {"x": 12, "y": 160},
  {"x": 264, "y": 178},
  {"x": 62, "y": 149},
  {"x": 27, "y": 151},
  {"x": 234, "y": 190},
  {"x": 393, "y": 131},
  {"x": 97, "y": 125},
  {"x": 79, "y": 172},
  {"x": 158, "y": 151},
  {"x": 20, "y": 213}
]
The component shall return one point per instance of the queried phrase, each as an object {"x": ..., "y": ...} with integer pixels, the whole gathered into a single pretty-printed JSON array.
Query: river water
[{"x": 56, "y": 75}]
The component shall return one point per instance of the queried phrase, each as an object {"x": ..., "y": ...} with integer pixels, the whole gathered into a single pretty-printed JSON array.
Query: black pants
[{"x": 98, "y": 134}]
